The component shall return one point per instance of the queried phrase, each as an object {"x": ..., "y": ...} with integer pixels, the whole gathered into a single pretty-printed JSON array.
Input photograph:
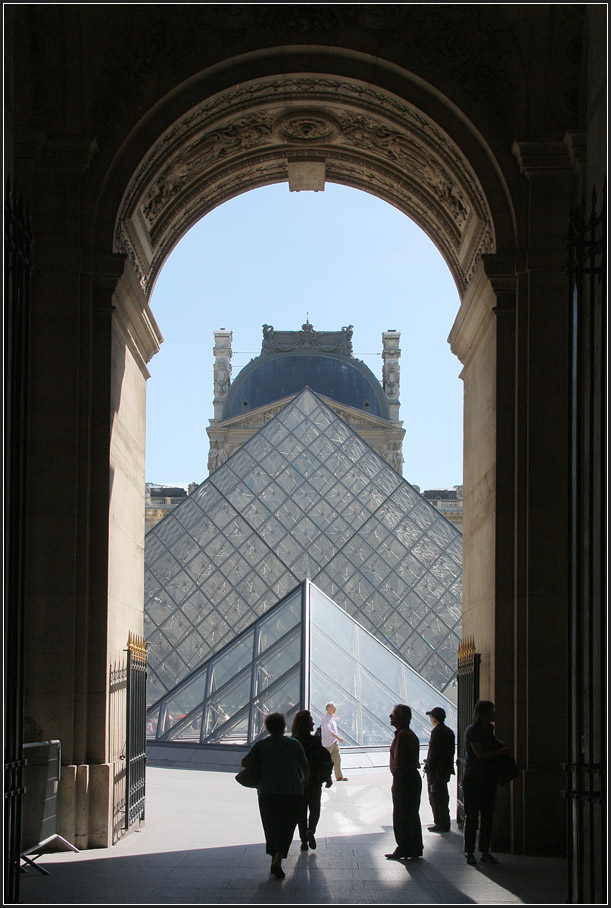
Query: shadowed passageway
[{"x": 202, "y": 844}]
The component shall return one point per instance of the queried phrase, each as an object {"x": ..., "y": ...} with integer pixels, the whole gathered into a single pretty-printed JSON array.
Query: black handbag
[
  {"x": 505, "y": 769},
  {"x": 250, "y": 775}
]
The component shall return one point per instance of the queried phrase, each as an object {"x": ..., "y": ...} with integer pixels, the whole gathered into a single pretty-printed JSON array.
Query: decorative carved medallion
[{"x": 306, "y": 126}]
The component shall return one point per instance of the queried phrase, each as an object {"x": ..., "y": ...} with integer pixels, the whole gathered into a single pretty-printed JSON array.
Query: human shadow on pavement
[{"x": 343, "y": 869}]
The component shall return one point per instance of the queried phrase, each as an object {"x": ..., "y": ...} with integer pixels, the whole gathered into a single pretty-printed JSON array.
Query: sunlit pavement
[{"x": 202, "y": 844}]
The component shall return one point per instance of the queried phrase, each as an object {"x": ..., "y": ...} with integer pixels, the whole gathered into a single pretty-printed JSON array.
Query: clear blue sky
[{"x": 338, "y": 257}]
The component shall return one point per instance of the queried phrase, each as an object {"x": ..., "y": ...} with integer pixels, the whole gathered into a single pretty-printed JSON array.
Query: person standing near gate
[
  {"x": 439, "y": 767},
  {"x": 479, "y": 784},
  {"x": 406, "y": 787},
  {"x": 331, "y": 740}
]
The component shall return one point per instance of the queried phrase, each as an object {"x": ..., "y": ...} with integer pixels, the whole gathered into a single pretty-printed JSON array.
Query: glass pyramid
[
  {"x": 304, "y": 652},
  {"x": 304, "y": 498}
]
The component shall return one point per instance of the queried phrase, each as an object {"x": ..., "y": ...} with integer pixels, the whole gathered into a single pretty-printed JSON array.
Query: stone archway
[
  {"x": 315, "y": 127},
  {"x": 304, "y": 129},
  {"x": 460, "y": 116},
  {"x": 308, "y": 128}
]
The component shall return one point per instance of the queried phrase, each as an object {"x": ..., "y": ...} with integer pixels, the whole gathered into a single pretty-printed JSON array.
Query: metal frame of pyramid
[
  {"x": 305, "y": 497},
  {"x": 303, "y": 653}
]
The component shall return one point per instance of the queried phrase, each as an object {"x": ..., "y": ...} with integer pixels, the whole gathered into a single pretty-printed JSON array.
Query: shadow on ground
[{"x": 350, "y": 870}]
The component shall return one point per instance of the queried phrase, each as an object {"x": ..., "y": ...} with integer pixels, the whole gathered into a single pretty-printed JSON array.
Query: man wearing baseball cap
[{"x": 439, "y": 767}]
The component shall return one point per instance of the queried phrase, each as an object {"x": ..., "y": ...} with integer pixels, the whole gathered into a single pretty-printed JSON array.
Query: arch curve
[{"x": 246, "y": 134}]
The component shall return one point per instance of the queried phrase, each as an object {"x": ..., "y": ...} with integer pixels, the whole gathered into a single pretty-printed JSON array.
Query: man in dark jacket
[
  {"x": 439, "y": 767},
  {"x": 406, "y": 787}
]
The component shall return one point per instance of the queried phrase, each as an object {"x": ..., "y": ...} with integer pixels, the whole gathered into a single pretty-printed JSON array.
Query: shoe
[
  {"x": 304, "y": 846},
  {"x": 439, "y": 828},
  {"x": 414, "y": 857},
  {"x": 277, "y": 871},
  {"x": 311, "y": 840},
  {"x": 328, "y": 784},
  {"x": 487, "y": 858},
  {"x": 343, "y": 779},
  {"x": 395, "y": 856},
  {"x": 471, "y": 859}
]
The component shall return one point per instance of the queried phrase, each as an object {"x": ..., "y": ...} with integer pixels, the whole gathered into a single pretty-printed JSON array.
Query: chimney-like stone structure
[
  {"x": 222, "y": 369},
  {"x": 390, "y": 370}
]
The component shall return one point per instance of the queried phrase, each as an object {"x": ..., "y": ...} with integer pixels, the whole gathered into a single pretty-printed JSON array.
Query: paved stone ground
[{"x": 202, "y": 844}]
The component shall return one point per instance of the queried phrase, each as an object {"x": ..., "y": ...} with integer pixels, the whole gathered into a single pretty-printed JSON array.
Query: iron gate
[
  {"x": 468, "y": 695},
  {"x": 585, "y": 787},
  {"x": 135, "y": 783}
]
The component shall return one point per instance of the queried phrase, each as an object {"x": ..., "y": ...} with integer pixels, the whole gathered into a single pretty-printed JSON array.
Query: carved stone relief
[
  {"x": 209, "y": 194},
  {"x": 307, "y": 339},
  {"x": 366, "y": 137},
  {"x": 216, "y": 456},
  {"x": 306, "y": 127},
  {"x": 394, "y": 456},
  {"x": 244, "y": 133},
  {"x": 291, "y": 90},
  {"x": 390, "y": 379}
]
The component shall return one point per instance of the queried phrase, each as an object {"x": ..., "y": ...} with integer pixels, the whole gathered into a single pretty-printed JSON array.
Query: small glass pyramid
[
  {"x": 305, "y": 652},
  {"x": 304, "y": 498}
]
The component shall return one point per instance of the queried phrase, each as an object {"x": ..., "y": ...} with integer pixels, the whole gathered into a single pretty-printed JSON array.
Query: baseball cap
[{"x": 437, "y": 713}]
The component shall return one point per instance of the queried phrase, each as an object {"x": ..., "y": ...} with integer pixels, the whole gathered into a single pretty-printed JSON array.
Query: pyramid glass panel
[
  {"x": 375, "y": 680},
  {"x": 267, "y": 669},
  {"x": 305, "y": 497}
]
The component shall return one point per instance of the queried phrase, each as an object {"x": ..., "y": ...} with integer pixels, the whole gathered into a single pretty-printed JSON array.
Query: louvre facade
[{"x": 304, "y": 498}]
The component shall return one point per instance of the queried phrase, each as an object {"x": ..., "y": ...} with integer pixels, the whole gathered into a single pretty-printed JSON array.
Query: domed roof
[{"x": 272, "y": 377}]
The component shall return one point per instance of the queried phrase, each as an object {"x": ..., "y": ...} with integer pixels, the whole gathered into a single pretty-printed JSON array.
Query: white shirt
[{"x": 328, "y": 728}]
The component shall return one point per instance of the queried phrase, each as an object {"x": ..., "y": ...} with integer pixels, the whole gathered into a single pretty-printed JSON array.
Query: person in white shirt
[{"x": 331, "y": 740}]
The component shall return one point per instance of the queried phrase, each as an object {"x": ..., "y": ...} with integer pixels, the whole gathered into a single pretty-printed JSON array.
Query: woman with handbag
[
  {"x": 321, "y": 767},
  {"x": 283, "y": 768},
  {"x": 479, "y": 784}
]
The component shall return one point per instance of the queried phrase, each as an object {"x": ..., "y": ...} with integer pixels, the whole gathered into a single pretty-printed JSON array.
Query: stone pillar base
[{"x": 86, "y": 805}]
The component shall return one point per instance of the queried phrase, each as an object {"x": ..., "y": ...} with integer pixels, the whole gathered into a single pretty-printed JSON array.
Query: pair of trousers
[
  {"x": 406, "y": 792},
  {"x": 337, "y": 760},
  {"x": 439, "y": 799},
  {"x": 279, "y": 816},
  {"x": 310, "y": 811},
  {"x": 479, "y": 794}
]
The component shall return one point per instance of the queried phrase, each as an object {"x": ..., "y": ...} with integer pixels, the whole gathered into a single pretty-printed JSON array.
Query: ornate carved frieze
[
  {"x": 245, "y": 137},
  {"x": 307, "y": 339},
  {"x": 220, "y": 144}
]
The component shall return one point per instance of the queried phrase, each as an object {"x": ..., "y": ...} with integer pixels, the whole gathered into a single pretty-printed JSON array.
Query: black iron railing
[
  {"x": 135, "y": 785},
  {"x": 117, "y": 694}
]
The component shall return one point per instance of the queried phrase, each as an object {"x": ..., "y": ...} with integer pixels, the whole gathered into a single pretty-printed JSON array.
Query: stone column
[
  {"x": 390, "y": 370},
  {"x": 222, "y": 369},
  {"x": 84, "y": 555},
  {"x": 473, "y": 340},
  {"x": 222, "y": 380},
  {"x": 505, "y": 679},
  {"x": 541, "y": 498},
  {"x": 62, "y": 445}
]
